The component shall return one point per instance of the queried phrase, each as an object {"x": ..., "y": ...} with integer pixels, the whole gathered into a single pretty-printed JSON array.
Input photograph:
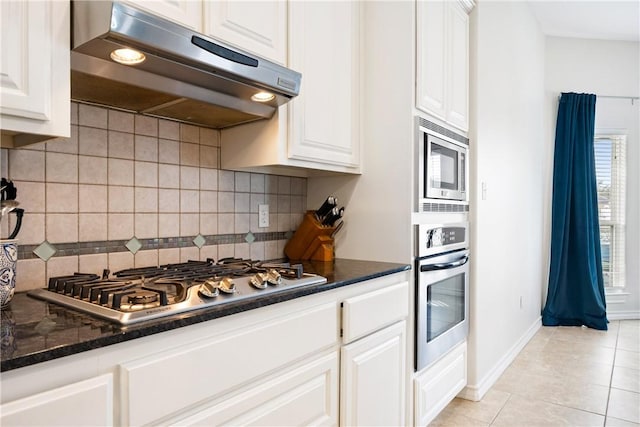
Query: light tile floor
[{"x": 565, "y": 376}]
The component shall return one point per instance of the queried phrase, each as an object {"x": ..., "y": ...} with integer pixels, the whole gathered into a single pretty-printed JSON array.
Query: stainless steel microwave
[{"x": 442, "y": 166}]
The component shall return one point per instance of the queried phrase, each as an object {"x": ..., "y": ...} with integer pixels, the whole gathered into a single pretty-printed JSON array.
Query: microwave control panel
[{"x": 434, "y": 239}]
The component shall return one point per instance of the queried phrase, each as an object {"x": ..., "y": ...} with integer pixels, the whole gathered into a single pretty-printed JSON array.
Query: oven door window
[
  {"x": 445, "y": 305},
  {"x": 443, "y": 167}
]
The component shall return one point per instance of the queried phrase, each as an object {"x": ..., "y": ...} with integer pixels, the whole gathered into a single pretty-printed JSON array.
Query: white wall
[
  {"x": 378, "y": 202},
  {"x": 605, "y": 68},
  {"x": 507, "y": 81}
]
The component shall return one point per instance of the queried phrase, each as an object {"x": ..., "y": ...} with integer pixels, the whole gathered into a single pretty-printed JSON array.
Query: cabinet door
[
  {"x": 257, "y": 26},
  {"x": 85, "y": 403},
  {"x": 373, "y": 379},
  {"x": 458, "y": 85},
  {"x": 231, "y": 359},
  {"x": 431, "y": 58},
  {"x": 34, "y": 58},
  {"x": 442, "y": 57},
  {"x": 307, "y": 395},
  {"x": 439, "y": 384},
  {"x": 324, "y": 118},
  {"x": 185, "y": 12}
]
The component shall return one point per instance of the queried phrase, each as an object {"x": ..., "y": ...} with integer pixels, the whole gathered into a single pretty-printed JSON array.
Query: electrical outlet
[{"x": 263, "y": 216}]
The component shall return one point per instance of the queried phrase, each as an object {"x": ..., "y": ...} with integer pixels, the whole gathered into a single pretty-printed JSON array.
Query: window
[{"x": 611, "y": 176}]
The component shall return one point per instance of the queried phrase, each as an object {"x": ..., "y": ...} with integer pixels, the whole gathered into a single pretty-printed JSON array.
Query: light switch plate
[{"x": 263, "y": 216}]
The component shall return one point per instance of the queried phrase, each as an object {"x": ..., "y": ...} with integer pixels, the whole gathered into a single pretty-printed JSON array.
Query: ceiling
[{"x": 606, "y": 20}]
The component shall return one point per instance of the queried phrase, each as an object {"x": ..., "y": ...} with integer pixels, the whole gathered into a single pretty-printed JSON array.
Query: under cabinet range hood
[{"x": 185, "y": 75}]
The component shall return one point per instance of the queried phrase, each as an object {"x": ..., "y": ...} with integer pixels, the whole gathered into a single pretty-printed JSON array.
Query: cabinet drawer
[
  {"x": 438, "y": 385},
  {"x": 307, "y": 395},
  {"x": 370, "y": 312},
  {"x": 201, "y": 371},
  {"x": 85, "y": 403}
]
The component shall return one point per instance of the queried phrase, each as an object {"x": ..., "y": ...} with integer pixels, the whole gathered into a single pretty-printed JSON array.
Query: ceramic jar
[{"x": 8, "y": 261}]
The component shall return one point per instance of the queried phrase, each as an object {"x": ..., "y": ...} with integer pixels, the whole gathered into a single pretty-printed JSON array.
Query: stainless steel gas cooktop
[{"x": 139, "y": 294}]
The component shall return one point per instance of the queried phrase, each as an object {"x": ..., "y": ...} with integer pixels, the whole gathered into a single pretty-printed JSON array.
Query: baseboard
[
  {"x": 623, "y": 315},
  {"x": 475, "y": 392}
]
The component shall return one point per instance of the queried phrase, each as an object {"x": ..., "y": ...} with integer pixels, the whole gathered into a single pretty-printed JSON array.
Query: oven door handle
[{"x": 446, "y": 266}]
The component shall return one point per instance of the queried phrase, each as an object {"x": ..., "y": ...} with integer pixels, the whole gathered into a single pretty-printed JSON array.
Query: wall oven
[
  {"x": 442, "y": 164},
  {"x": 442, "y": 294}
]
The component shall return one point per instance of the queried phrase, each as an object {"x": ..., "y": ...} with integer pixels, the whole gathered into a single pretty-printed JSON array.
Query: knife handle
[
  {"x": 326, "y": 207},
  {"x": 333, "y": 216}
]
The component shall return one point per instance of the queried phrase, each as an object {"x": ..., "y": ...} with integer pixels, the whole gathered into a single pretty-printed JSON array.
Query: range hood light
[
  {"x": 127, "y": 56},
  {"x": 263, "y": 97}
]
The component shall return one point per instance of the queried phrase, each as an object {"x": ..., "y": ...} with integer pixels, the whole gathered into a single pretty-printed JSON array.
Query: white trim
[
  {"x": 475, "y": 392},
  {"x": 467, "y": 5},
  {"x": 616, "y": 299},
  {"x": 608, "y": 293},
  {"x": 623, "y": 315}
]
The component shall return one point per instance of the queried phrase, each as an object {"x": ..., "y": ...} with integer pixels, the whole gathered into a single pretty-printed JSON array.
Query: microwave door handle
[{"x": 446, "y": 266}]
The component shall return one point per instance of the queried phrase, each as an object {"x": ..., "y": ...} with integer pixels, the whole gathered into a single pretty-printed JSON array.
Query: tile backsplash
[{"x": 129, "y": 190}]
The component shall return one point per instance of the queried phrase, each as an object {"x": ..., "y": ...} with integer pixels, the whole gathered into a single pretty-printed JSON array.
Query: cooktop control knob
[
  {"x": 209, "y": 289},
  {"x": 227, "y": 286},
  {"x": 273, "y": 277},
  {"x": 259, "y": 280}
]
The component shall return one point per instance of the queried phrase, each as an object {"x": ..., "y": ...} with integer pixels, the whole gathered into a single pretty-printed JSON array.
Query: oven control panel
[
  {"x": 445, "y": 236},
  {"x": 433, "y": 239}
]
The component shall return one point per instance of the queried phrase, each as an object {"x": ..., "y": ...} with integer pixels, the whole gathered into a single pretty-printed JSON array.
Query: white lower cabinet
[
  {"x": 373, "y": 379},
  {"x": 307, "y": 395},
  {"x": 85, "y": 403},
  {"x": 279, "y": 365},
  {"x": 439, "y": 384},
  {"x": 373, "y": 358},
  {"x": 390, "y": 304},
  {"x": 209, "y": 368}
]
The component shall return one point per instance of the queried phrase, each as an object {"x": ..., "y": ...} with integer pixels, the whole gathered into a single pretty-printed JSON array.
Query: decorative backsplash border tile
[{"x": 111, "y": 246}]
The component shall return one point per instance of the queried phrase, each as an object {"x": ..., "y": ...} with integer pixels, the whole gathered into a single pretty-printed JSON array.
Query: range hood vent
[{"x": 186, "y": 76}]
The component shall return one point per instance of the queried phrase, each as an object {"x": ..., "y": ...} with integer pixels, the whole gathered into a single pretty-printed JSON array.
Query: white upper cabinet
[
  {"x": 324, "y": 117},
  {"x": 442, "y": 75},
  {"x": 259, "y": 27},
  {"x": 185, "y": 12},
  {"x": 34, "y": 70},
  {"x": 458, "y": 85},
  {"x": 431, "y": 58},
  {"x": 319, "y": 129}
]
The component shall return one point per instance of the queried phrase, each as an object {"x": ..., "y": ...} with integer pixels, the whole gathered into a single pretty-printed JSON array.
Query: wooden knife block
[{"x": 311, "y": 240}]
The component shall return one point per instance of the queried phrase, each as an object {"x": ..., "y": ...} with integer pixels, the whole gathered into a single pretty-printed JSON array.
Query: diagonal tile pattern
[{"x": 565, "y": 376}]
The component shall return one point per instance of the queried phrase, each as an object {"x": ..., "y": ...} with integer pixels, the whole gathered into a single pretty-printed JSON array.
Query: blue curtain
[{"x": 576, "y": 289}]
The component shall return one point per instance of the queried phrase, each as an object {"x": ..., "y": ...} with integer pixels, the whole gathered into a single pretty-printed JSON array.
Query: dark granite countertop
[{"x": 35, "y": 331}]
